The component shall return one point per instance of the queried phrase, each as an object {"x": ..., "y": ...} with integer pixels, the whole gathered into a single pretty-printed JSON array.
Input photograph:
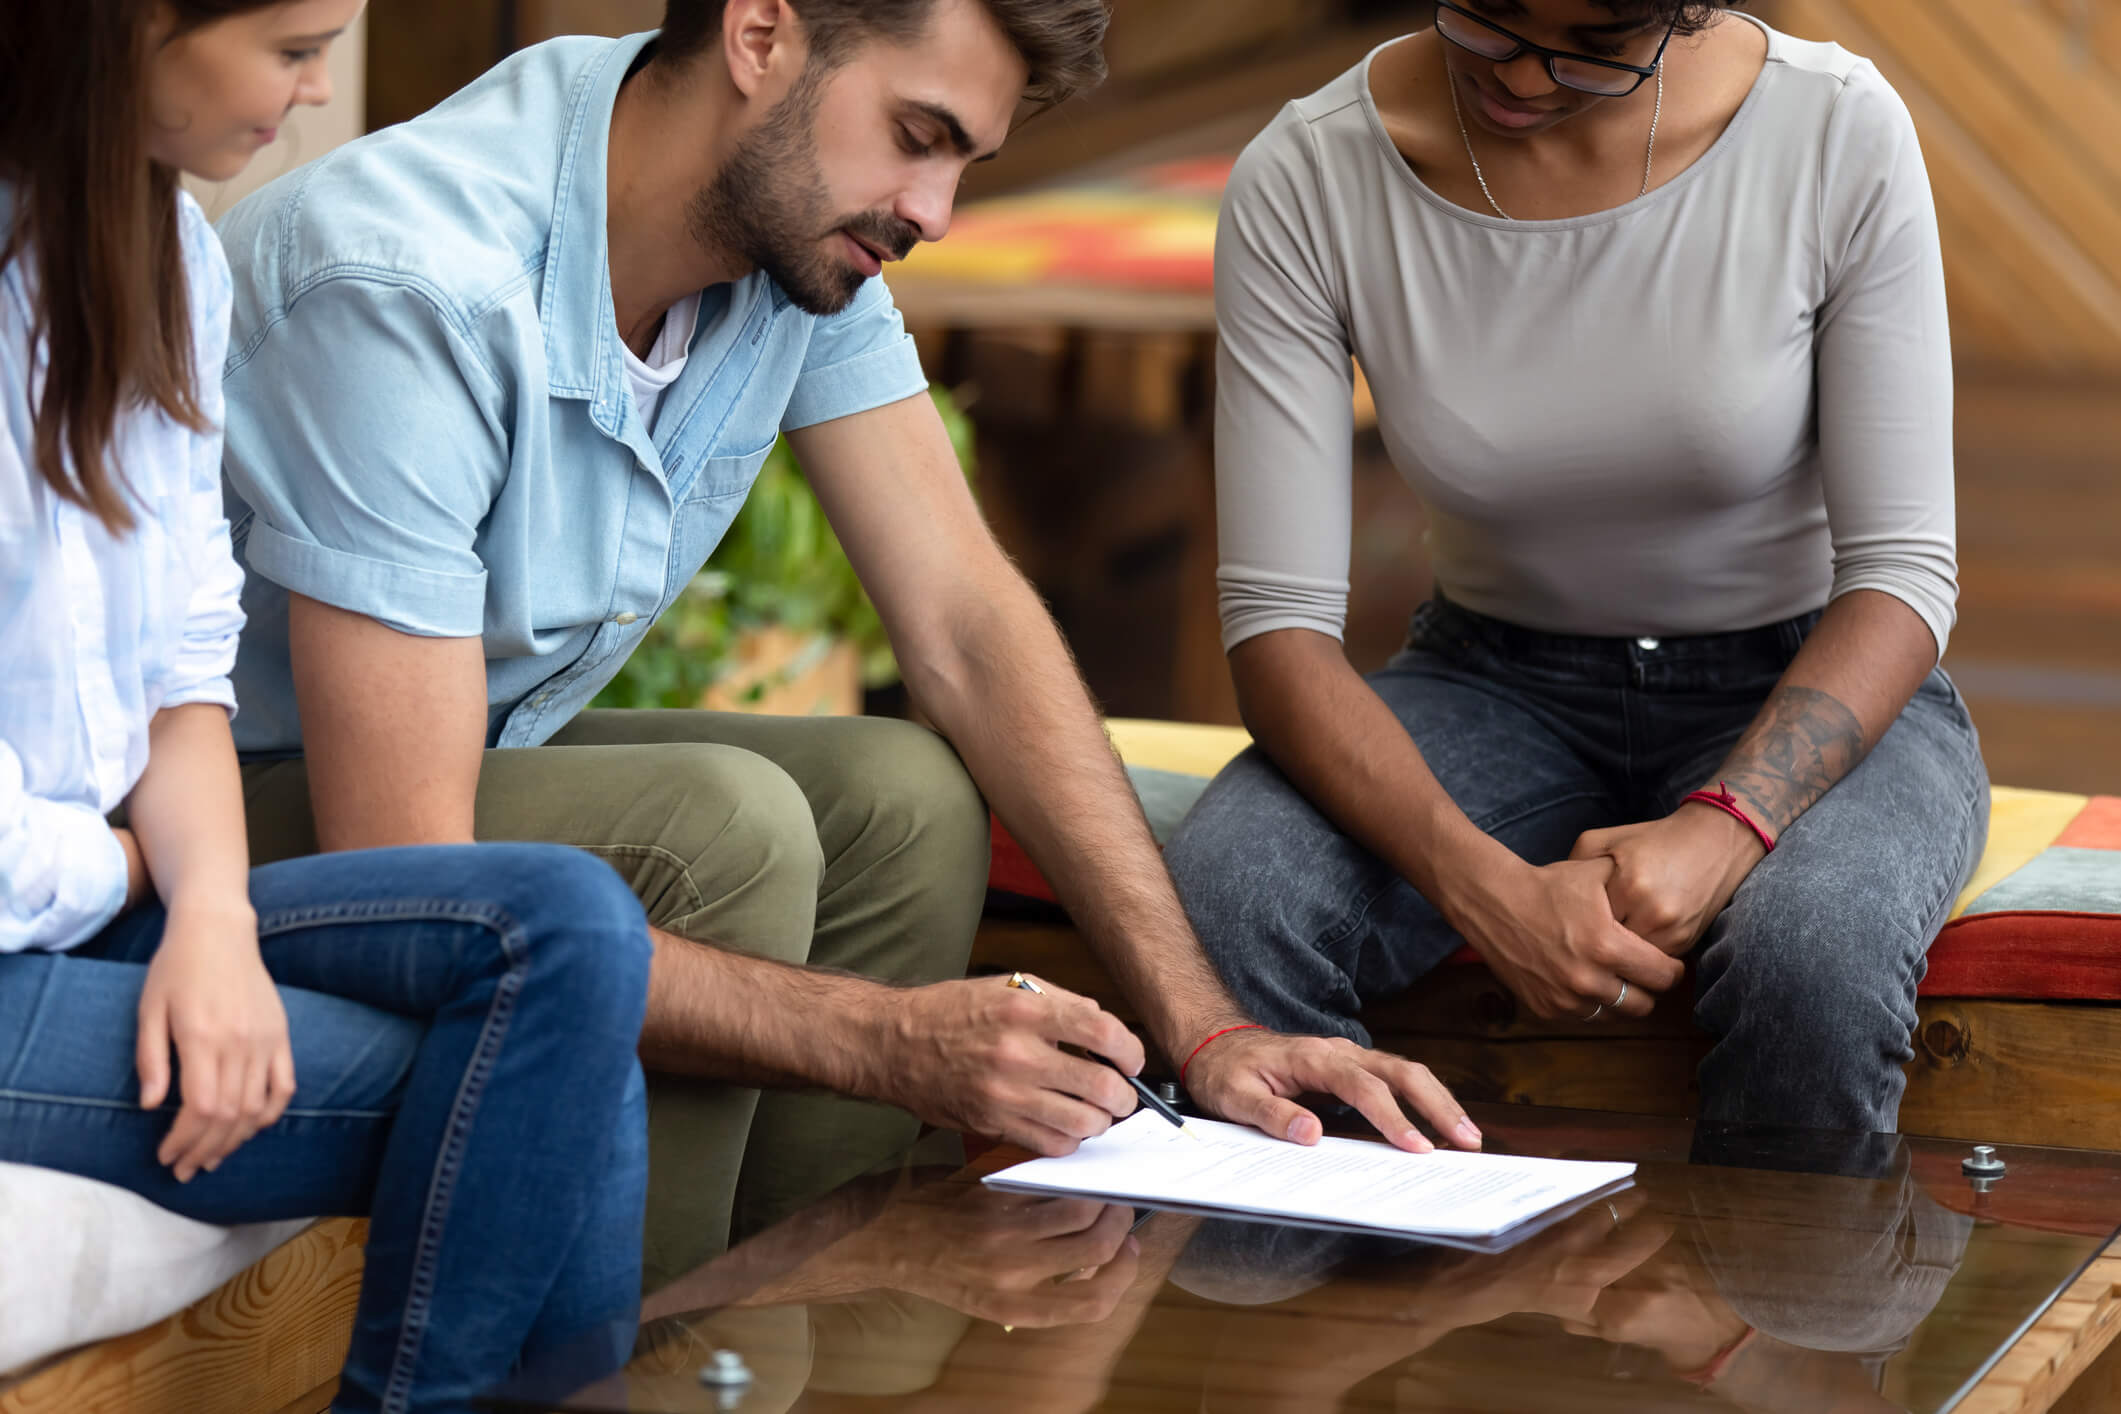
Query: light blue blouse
[{"x": 98, "y": 633}]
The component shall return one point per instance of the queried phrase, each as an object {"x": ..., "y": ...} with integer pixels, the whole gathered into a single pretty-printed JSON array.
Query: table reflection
[{"x": 1725, "y": 1282}]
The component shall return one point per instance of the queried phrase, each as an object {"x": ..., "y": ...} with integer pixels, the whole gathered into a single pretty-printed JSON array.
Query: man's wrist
[
  {"x": 1181, "y": 1044},
  {"x": 872, "y": 1025}
]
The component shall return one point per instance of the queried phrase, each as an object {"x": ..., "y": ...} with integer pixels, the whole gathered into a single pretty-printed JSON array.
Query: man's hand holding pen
[{"x": 986, "y": 1058}]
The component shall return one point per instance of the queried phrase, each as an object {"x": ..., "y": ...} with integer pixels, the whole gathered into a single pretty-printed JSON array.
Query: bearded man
[{"x": 501, "y": 377}]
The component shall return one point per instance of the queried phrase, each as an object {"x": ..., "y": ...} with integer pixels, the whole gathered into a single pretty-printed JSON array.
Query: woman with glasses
[
  {"x": 1650, "y": 300},
  {"x": 442, "y": 1039}
]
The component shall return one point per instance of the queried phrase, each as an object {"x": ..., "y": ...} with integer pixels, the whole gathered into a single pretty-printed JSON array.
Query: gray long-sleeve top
[{"x": 1718, "y": 406}]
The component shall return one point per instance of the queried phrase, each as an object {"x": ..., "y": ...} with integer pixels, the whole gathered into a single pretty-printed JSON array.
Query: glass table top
[{"x": 1745, "y": 1269}]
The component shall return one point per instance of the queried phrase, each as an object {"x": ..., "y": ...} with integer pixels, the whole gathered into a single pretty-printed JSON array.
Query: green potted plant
[{"x": 777, "y": 619}]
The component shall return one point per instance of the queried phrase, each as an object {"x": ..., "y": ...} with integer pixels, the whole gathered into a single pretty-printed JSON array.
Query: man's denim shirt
[{"x": 429, "y": 421}]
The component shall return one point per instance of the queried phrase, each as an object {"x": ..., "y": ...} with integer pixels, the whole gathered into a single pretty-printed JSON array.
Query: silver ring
[
  {"x": 1595, "y": 1011},
  {"x": 1614, "y": 1211},
  {"x": 1623, "y": 994}
]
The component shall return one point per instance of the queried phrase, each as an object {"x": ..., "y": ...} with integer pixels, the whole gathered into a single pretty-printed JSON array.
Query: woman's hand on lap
[
  {"x": 1551, "y": 935},
  {"x": 208, "y": 994},
  {"x": 1671, "y": 877}
]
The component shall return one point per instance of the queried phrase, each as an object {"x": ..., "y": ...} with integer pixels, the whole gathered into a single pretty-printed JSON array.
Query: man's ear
[{"x": 758, "y": 36}]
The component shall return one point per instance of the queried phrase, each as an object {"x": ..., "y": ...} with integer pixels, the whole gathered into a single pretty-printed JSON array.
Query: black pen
[{"x": 1149, "y": 1098}]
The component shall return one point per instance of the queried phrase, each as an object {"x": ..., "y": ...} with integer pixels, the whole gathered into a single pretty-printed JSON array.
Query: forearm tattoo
[{"x": 1801, "y": 743}]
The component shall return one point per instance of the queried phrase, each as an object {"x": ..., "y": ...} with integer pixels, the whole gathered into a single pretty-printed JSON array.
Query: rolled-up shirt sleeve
[
  {"x": 364, "y": 432},
  {"x": 213, "y": 619},
  {"x": 858, "y": 359},
  {"x": 62, "y": 871},
  {"x": 1284, "y": 420},
  {"x": 1884, "y": 362}
]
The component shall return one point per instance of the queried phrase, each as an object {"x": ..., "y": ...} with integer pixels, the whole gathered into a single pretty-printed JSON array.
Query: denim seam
[
  {"x": 36, "y": 1021},
  {"x": 399, "y": 910},
  {"x": 419, "y": 1301},
  {"x": 77, "y": 1101},
  {"x": 1356, "y": 917}
]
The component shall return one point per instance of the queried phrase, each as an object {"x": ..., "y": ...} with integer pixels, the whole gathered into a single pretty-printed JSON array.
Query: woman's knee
[
  {"x": 581, "y": 928},
  {"x": 1818, "y": 972},
  {"x": 1253, "y": 854}
]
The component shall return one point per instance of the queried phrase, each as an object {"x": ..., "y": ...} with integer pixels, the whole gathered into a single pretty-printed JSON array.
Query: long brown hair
[{"x": 99, "y": 218}]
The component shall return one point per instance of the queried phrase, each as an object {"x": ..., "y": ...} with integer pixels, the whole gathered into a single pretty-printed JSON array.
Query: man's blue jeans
[
  {"x": 1806, "y": 982},
  {"x": 464, "y": 1022}
]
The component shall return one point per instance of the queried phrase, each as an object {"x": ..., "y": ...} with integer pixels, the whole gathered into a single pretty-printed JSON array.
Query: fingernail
[
  {"x": 1134, "y": 1244},
  {"x": 1468, "y": 1135},
  {"x": 1417, "y": 1141}
]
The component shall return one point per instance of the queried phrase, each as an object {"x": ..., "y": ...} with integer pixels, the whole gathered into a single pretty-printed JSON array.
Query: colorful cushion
[
  {"x": 1151, "y": 229},
  {"x": 2039, "y": 921}
]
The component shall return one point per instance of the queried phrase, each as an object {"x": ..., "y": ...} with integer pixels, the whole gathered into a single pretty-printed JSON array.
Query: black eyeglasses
[{"x": 1608, "y": 78}]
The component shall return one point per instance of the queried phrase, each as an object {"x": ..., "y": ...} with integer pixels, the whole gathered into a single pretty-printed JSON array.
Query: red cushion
[
  {"x": 1010, "y": 870},
  {"x": 2019, "y": 956},
  {"x": 2029, "y": 957}
]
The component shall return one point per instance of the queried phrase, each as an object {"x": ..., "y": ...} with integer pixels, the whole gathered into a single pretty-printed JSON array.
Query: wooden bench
[{"x": 2034, "y": 1067}]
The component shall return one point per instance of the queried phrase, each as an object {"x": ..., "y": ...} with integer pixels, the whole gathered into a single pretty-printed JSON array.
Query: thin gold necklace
[{"x": 1451, "y": 82}]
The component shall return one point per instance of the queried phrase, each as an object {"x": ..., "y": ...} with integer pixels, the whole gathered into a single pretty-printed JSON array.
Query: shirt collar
[{"x": 577, "y": 287}]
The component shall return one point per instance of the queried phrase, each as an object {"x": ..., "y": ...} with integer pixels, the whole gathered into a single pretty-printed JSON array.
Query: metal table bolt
[
  {"x": 1167, "y": 1091},
  {"x": 1983, "y": 1167},
  {"x": 728, "y": 1373}
]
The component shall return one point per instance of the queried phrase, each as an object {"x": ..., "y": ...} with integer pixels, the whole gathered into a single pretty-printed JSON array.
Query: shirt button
[
  {"x": 1648, "y": 645},
  {"x": 626, "y": 618}
]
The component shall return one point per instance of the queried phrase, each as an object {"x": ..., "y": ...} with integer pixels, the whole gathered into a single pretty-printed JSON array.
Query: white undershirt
[{"x": 666, "y": 358}]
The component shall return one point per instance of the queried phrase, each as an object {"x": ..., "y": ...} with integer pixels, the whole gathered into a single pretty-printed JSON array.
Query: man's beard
[{"x": 767, "y": 205}]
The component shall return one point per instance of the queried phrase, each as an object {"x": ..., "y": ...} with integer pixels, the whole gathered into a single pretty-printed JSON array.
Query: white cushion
[{"x": 81, "y": 1261}]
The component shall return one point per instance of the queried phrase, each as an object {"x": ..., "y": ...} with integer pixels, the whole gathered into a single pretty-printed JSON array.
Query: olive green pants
[{"x": 851, "y": 842}]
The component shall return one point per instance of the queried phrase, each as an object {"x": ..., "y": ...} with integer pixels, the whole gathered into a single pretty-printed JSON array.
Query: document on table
[{"x": 1340, "y": 1182}]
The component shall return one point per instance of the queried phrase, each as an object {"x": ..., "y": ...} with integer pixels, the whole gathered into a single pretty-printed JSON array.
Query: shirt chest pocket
[
  {"x": 711, "y": 504},
  {"x": 722, "y": 477}
]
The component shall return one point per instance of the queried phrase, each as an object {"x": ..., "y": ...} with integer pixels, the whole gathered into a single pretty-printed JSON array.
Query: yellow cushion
[
  {"x": 1183, "y": 747},
  {"x": 2022, "y": 823}
]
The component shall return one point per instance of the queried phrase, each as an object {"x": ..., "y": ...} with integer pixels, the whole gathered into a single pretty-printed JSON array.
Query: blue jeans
[
  {"x": 1806, "y": 981},
  {"x": 464, "y": 1022}
]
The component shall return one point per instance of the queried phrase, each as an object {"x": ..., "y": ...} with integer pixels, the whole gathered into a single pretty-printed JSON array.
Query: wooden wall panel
[
  {"x": 542, "y": 19},
  {"x": 2019, "y": 110}
]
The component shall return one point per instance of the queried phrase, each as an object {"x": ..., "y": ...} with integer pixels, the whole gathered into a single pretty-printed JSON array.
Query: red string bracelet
[
  {"x": 1723, "y": 800},
  {"x": 1706, "y": 1375},
  {"x": 1247, "y": 1026}
]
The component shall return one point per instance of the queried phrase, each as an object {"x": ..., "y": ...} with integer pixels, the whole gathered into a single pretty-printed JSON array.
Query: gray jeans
[{"x": 1806, "y": 982}]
